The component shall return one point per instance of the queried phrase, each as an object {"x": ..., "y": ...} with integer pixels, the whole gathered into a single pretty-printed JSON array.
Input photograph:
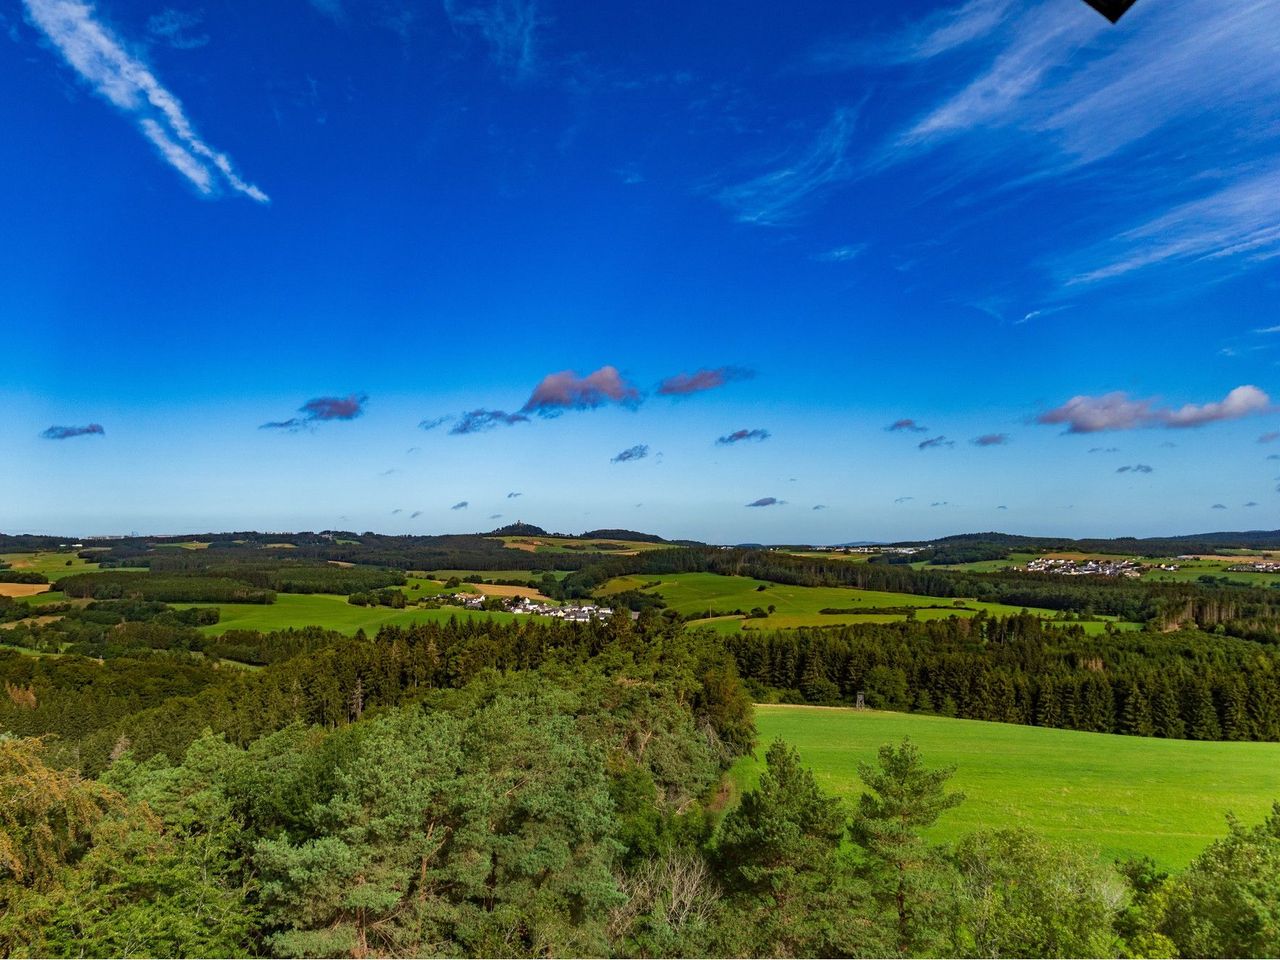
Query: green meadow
[
  {"x": 1123, "y": 796},
  {"x": 691, "y": 594},
  {"x": 329, "y": 611}
]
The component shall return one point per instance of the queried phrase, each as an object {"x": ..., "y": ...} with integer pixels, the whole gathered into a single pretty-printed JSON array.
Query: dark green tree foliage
[
  {"x": 1227, "y": 903},
  {"x": 903, "y": 799},
  {"x": 1023, "y": 670},
  {"x": 780, "y": 855},
  {"x": 1018, "y": 895},
  {"x": 114, "y": 585}
]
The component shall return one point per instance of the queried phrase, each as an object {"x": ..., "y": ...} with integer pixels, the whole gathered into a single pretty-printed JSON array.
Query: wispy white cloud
[
  {"x": 178, "y": 28},
  {"x": 775, "y": 197},
  {"x": 1050, "y": 89},
  {"x": 127, "y": 83},
  {"x": 1239, "y": 219},
  {"x": 509, "y": 27},
  {"x": 842, "y": 254}
]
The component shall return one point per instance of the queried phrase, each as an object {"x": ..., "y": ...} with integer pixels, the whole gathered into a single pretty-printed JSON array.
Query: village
[
  {"x": 1090, "y": 567},
  {"x": 571, "y": 612}
]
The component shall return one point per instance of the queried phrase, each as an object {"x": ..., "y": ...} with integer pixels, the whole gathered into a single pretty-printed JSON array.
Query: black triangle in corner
[{"x": 1113, "y": 10}]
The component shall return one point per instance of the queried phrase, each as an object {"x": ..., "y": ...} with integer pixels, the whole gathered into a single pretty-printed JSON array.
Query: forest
[{"x": 519, "y": 790}]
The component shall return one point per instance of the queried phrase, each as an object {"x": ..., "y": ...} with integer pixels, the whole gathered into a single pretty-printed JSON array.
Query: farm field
[
  {"x": 694, "y": 593},
  {"x": 1124, "y": 796},
  {"x": 330, "y": 611},
  {"x": 598, "y": 545},
  {"x": 51, "y": 564}
]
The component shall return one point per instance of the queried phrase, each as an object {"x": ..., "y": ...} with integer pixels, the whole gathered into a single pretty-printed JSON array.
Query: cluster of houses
[
  {"x": 573, "y": 612},
  {"x": 1260, "y": 566},
  {"x": 1089, "y": 568}
]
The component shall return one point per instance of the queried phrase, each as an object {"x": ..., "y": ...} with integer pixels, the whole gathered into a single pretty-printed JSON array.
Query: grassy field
[
  {"x": 329, "y": 611},
  {"x": 1123, "y": 796},
  {"x": 694, "y": 593},
  {"x": 595, "y": 545},
  {"x": 52, "y": 564}
]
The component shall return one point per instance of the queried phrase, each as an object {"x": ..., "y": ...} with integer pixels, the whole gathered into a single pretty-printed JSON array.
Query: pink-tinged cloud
[
  {"x": 1116, "y": 411},
  {"x": 320, "y": 410},
  {"x": 991, "y": 440},
  {"x": 66, "y": 433},
  {"x": 906, "y": 423},
  {"x": 683, "y": 384},
  {"x": 566, "y": 390},
  {"x": 1271, "y": 436}
]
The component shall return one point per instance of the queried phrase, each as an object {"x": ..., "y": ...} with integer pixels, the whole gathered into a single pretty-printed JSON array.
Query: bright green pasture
[
  {"x": 329, "y": 611},
  {"x": 53, "y": 564},
  {"x": 1121, "y": 796},
  {"x": 691, "y": 594}
]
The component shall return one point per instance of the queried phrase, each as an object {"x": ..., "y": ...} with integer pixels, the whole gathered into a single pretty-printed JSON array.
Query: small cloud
[
  {"x": 433, "y": 422},
  {"x": 322, "y": 410},
  {"x": 177, "y": 28},
  {"x": 939, "y": 503},
  {"x": 766, "y": 502},
  {"x": 683, "y": 384},
  {"x": 1218, "y": 506},
  {"x": 477, "y": 421},
  {"x": 1270, "y": 436},
  {"x": 1168, "y": 445},
  {"x": 413, "y": 450},
  {"x": 415, "y": 515},
  {"x": 906, "y": 423},
  {"x": 387, "y": 473},
  {"x": 1252, "y": 503},
  {"x": 933, "y": 442},
  {"x": 1104, "y": 449},
  {"x": 1002, "y": 507},
  {"x": 819, "y": 506},
  {"x": 738, "y": 436},
  {"x": 1275, "y": 329},
  {"x": 495, "y": 516},
  {"x": 396, "y": 510},
  {"x": 514, "y": 494},
  {"x": 66, "y": 433},
  {"x": 991, "y": 440},
  {"x": 844, "y": 254},
  {"x": 1116, "y": 411},
  {"x": 1273, "y": 456},
  {"x": 566, "y": 390},
  {"x": 1136, "y": 468},
  {"x": 902, "y": 499},
  {"x": 638, "y": 452},
  {"x": 460, "y": 505}
]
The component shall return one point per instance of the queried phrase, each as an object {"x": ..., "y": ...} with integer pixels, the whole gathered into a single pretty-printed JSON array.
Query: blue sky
[{"x": 1002, "y": 221}]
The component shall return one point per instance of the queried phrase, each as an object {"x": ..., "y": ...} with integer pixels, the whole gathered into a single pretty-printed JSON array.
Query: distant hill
[
  {"x": 517, "y": 530},
  {"x": 633, "y": 535},
  {"x": 1150, "y": 546}
]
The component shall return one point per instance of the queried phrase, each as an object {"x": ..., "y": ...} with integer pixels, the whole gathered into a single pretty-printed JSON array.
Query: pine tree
[{"x": 904, "y": 800}]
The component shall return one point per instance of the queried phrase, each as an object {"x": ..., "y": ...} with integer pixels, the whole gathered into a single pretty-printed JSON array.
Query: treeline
[
  {"x": 544, "y": 816},
  {"x": 118, "y": 584},
  {"x": 283, "y": 574},
  {"x": 1019, "y": 670},
  {"x": 21, "y": 576}
]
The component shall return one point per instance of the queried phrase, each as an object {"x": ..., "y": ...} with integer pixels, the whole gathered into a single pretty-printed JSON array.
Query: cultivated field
[
  {"x": 1123, "y": 796},
  {"x": 612, "y": 548},
  {"x": 711, "y": 593}
]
